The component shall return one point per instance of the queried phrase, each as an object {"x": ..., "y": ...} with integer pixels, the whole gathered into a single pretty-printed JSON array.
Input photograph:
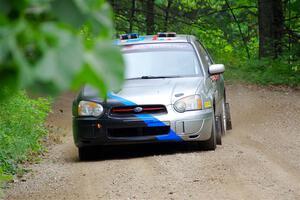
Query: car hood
[{"x": 157, "y": 91}]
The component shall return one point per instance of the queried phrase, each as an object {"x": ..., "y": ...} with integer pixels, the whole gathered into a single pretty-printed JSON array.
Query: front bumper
[{"x": 173, "y": 126}]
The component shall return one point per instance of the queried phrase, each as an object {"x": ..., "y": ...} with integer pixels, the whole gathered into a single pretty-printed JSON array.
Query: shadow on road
[{"x": 141, "y": 150}]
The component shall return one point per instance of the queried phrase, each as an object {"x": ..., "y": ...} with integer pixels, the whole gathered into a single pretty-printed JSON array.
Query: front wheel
[
  {"x": 211, "y": 143},
  {"x": 85, "y": 153}
]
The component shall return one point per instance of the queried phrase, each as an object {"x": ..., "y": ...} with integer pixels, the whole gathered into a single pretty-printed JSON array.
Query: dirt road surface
[{"x": 259, "y": 159}]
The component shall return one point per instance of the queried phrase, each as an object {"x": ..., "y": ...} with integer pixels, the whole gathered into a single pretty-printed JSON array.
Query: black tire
[
  {"x": 228, "y": 117},
  {"x": 218, "y": 121},
  {"x": 85, "y": 153},
  {"x": 211, "y": 143}
]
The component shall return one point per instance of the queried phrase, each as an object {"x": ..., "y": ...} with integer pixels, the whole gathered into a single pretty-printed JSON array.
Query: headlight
[
  {"x": 88, "y": 108},
  {"x": 188, "y": 103}
]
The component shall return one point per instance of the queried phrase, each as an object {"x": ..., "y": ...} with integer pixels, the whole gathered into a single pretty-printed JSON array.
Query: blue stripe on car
[{"x": 149, "y": 120}]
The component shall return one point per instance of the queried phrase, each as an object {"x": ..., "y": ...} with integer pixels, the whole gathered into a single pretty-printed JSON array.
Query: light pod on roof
[
  {"x": 166, "y": 34},
  {"x": 129, "y": 36}
]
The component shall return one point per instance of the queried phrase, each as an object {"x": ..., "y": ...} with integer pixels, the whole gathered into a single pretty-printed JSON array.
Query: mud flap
[
  {"x": 228, "y": 117},
  {"x": 218, "y": 130}
]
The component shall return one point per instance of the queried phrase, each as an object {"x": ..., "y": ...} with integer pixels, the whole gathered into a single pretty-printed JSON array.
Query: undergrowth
[
  {"x": 21, "y": 130},
  {"x": 262, "y": 72}
]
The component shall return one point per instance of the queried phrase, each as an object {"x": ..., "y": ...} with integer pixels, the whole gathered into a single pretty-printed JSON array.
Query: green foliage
[
  {"x": 21, "y": 130},
  {"x": 48, "y": 46},
  {"x": 295, "y": 5},
  {"x": 264, "y": 72}
]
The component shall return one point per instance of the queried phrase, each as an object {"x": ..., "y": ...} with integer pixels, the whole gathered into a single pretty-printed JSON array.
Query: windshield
[{"x": 160, "y": 60}]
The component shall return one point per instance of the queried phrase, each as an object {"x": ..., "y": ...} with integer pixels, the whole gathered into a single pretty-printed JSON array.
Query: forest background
[{"x": 49, "y": 46}]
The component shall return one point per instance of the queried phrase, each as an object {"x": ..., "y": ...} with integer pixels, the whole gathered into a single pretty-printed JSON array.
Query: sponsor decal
[{"x": 207, "y": 104}]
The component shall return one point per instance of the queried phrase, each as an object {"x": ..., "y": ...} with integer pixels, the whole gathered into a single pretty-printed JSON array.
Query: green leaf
[
  {"x": 103, "y": 69},
  {"x": 89, "y": 76},
  {"x": 4, "y": 45},
  {"x": 62, "y": 61},
  {"x": 42, "y": 47},
  {"x": 68, "y": 12},
  {"x": 108, "y": 61}
]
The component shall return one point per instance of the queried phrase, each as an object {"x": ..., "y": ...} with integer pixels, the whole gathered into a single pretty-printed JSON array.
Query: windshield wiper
[{"x": 154, "y": 77}]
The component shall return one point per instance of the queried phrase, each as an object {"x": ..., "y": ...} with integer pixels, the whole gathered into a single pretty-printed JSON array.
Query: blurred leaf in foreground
[{"x": 50, "y": 46}]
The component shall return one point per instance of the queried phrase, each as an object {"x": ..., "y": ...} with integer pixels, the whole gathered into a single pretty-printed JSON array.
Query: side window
[
  {"x": 204, "y": 56},
  {"x": 208, "y": 57}
]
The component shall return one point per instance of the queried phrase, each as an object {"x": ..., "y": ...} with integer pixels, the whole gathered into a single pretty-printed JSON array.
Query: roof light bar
[
  {"x": 133, "y": 35},
  {"x": 124, "y": 37},
  {"x": 129, "y": 36},
  {"x": 166, "y": 34}
]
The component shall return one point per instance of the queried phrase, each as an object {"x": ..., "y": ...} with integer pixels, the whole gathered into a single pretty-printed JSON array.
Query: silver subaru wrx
[{"x": 173, "y": 93}]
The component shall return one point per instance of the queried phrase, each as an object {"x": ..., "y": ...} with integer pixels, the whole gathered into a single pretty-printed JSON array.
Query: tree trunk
[
  {"x": 150, "y": 17},
  {"x": 270, "y": 19},
  {"x": 132, "y": 13},
  {"x": 167, "y": 15}
]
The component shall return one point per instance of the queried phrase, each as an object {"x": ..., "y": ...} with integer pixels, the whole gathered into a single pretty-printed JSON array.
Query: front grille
[
  {"x": 138, "y": 131},
  {"x": 143, "y": 109}
]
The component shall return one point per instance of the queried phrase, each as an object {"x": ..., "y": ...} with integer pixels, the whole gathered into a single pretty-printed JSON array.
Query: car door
[
  {"x": 216, "y": 81},
  {"x": 219, "y": 78}
]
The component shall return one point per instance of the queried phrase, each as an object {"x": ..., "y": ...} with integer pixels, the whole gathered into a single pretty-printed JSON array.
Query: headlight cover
[
  {"x": 189, "y": 103},
  {"x": 89, "y": 108}
]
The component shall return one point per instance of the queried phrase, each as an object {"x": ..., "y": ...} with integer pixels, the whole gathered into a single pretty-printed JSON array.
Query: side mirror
[{"x": 216, "y": 69}]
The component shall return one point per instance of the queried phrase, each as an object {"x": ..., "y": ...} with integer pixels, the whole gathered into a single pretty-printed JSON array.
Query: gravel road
[{"x": 259, "y": 159}]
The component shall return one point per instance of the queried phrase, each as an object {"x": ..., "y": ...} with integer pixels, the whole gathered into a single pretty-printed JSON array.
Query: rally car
[{"x": 173, "y": 92}]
